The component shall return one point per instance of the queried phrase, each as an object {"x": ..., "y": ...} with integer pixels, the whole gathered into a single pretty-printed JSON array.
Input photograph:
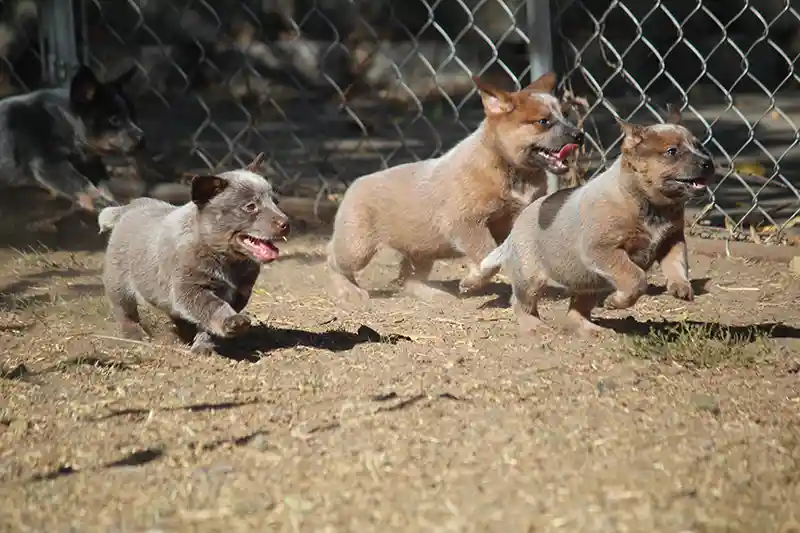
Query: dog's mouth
[
  {"x": 554, "y": 160},
  {"x": 694, "y": 184},
  {"x": 262, "y": 250}
]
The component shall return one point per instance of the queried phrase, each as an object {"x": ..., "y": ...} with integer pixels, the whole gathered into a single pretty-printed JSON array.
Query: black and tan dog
[
  {"x": 460, "y": 204},
  {"x": 56, "y": 138},
  {"x": 601, "y": 238}
]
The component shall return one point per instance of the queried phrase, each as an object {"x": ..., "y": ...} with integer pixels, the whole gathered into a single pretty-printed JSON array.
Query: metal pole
[
  {"x": 57, "y": 40},
  {"x": 540, "y": 53}
]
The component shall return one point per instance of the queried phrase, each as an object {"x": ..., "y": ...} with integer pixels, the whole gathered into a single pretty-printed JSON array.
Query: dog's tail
[
  {"x": 492, "y": 263},
  {"x": 109, "y": 217}
]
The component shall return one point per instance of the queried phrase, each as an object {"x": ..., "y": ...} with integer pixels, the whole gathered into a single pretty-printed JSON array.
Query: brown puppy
[
  {"x": 461, "y": 203},
  {"x": 602, "y": 237},
  {"x": 197, "y": 262}
]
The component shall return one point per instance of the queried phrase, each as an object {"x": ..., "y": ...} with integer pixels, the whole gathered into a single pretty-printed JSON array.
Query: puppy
[
  {"x": 55, "y": 138},
  {"x": 460, "y": 204},
  {"x": 602, "y": 237},
  {"x": 197, "y": 262}
]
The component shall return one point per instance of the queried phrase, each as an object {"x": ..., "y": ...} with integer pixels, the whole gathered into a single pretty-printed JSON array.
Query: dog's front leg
[
  {"x": 62, "y": 179},
  {"x": 673, "y": 257},
  {"x": 628, "y": 279},
  {"x": 244, "y": 289},
  {"x": 476, "y": 242},
  {"x": 213, "y": 314}
]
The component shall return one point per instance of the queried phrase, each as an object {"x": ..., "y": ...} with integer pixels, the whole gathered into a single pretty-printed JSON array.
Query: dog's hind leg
[
  {"x": 525, "y": 303},
  {"x": 579, "y": 313},
  {"x": 344, "y": 262},
  {"x": 476, "y": 244},
  {"x": 125, "y": 311},
  {"x": 487, "y": 268},
  {"x": 414, "y": 277}
]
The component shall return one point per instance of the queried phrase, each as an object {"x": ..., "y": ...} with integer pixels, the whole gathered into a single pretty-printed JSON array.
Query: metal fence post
[
  {"x": 540, "y": 52},
  {"x": 58, "y": 42}
]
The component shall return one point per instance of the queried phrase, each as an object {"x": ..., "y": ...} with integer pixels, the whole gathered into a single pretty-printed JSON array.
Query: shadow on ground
[
  {"x": 260, "y": 339},
  {"x": 671, "y": 330},
  {"x": 503, "y": 292},
  {"x": 137, "y": 458},
  {"x": 13, "y": 297}
]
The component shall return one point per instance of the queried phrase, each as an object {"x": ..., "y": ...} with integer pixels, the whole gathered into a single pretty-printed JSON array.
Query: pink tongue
[
  {"x": 265, "y": 251},
  {"x": 566, "y": 150}
]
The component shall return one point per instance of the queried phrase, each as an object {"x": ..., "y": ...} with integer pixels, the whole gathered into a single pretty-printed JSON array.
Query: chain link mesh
[
  {"x": 729, "y": 63},
  {"x": 334, "y": 89}
]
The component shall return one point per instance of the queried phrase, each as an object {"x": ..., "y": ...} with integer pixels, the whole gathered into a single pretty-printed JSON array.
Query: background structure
[{"x": 334, "y": 89}]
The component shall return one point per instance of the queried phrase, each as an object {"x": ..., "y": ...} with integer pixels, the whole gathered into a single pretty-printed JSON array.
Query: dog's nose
[
  {"x": 707, "y": 166},
  {"x": 282, "y": 226},
  {"x": 579, "y": 137}
]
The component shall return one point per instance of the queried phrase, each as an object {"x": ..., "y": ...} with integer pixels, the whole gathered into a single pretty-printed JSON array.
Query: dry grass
[{"x": 402, "y": 416}]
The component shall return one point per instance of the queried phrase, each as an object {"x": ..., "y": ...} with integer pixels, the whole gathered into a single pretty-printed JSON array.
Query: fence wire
[
  {"x": 334, "y": 89},
  {"x": 729, "y": 62}
]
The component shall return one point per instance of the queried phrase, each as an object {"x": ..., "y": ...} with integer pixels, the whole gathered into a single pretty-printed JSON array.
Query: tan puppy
[
  {"x": 602, "y": 237},
  {"x": 462, "y": 203}
]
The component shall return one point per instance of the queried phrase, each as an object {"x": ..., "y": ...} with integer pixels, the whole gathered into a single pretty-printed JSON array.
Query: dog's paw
[
  {"x": 235, "y": 324},
  {"x": 621, "y": 300},
  {"x": 344, "y": 289},
  {"x": 681, "y": 290},
  {"x": 202, "y": 344},
  {"x": 474, "y": 281},
  {"x": 466, "y": 286},
  {"x": 590, "y": 330}
]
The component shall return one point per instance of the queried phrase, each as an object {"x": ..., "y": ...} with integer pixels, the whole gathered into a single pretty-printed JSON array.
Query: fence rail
[{"x": 333, "y": 89}]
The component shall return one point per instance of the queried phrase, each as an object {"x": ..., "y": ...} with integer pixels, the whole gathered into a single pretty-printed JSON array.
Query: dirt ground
[{"x": 404, "y": 416}]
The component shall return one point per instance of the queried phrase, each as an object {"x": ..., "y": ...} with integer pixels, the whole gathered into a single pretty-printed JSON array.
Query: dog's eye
[
  {"x": 275, "y": 201},
  {"x": 543, "y": 121},
  {"x": 251, "y": 207},
  {"x": 115, "y": 121},
  {"x": 671, "y": 151}
]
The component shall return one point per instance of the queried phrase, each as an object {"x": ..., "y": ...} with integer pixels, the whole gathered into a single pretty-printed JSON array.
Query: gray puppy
[{"x": 197, "y": 262}]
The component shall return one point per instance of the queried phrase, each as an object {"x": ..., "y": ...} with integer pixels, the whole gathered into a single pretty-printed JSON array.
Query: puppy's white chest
[
  {"x": 658, "y": 232},
  {"x": 525, "y": 193},
  {"x": 226, "y": 285},
  {"x": 643, "y": 253}
]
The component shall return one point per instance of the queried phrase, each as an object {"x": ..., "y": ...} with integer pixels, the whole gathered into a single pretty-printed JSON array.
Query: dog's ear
[
  {"x": 204, "y": 188},
  {"x": 546, "y": 83},
  {"x": 673, "y": 114},
  {"x": 83, "y": 87},
  {"x": 495, "y": 101},
  {"x": 124, "y": 78},
  {"x": 634, "y": 134},
  {"x": 255, "y": 166}
]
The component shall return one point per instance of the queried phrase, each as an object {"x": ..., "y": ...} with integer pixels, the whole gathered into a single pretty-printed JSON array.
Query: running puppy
[
  {"x": 197, "y": 262},
  {"x": 602, "y": 237},
  {"x": 462, "y": 203}
]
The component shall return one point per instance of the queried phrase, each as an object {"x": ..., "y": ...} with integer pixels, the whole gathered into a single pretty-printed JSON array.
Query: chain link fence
[
  {"x": 729, "y": 62},
  {"x": 334, "y": 89}
]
